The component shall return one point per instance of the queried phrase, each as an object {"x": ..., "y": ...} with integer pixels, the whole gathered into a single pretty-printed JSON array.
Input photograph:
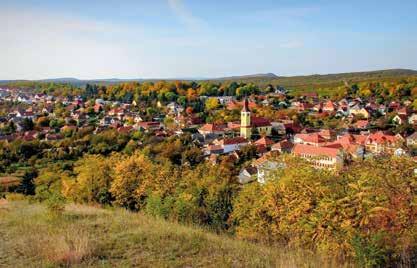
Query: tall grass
[{"x": 87, "y": 236}]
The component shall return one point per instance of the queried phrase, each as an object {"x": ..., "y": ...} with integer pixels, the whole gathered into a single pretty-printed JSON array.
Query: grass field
[{"x": 85, "y": 236}]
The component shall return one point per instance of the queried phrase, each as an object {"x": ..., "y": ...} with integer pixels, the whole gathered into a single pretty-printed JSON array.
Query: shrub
[
  {"x": 15, "y": 197},
  {"x": 369, "y": 252},
  {"x": 55, "y": 204},
  {"x": 341, "y": 214}
]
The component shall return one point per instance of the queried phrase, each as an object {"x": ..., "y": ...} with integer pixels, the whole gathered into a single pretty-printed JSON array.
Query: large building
[
  {"x": 321, "y": 157},
  {"x": 250, "y": 124}
]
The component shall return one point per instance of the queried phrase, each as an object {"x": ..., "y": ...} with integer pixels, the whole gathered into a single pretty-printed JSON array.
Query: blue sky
[{"x": 190, "y": 38}]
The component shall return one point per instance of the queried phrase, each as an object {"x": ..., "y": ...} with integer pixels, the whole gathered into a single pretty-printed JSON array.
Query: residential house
[
  {"x": 117, "y": 112},
  {"x": 283, "y": 146},
  {"x": 359, "y": 111},
  {"x": 399, "y": 119},
  {"x": 382, "y": 109},
  {"x": 53, "y": 137},
  {"x": 265, "y": 142},
  {"x": 403, "y": 111},
  {"x": 310, "y": 95},
  {"x": 361, "y": 124},
  {"x": 247, "y": 175},
  {"x": 108, "y": 120},
  {"x": 412, "y": 120},
  {"x": 380, "y": 143},
  {"x": 352, "y": 145},
  {"x": 175, "y": 108},
  {"x": 212, "y": 129},
  {"x": 328, "y": 134},
  {"x": 224, "y": 100},
  {"x": 278, "y": 127},
  {"x": 301, "y": 106},
  {"x": 213, "y": 149},
  {"x": 329, "y": 107},
  {"x": 125, "y": 129},
  {"x": 412, "y": 140},
  {"x": 149, "y": 126},
  {"x": 314, "y": 139},
  {"x": 234, "y": 105},
  {"x": 231, "y": 144},
  {"x": 266, "y": 166}
]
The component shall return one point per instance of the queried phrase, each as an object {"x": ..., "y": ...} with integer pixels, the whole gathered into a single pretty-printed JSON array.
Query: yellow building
[{"x": 249, "y": 124}]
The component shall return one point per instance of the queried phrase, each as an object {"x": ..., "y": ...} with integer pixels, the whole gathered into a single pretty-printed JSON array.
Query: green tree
[
  {"x": 27, "y": 185},
  {"x": 211, "y": 104}
]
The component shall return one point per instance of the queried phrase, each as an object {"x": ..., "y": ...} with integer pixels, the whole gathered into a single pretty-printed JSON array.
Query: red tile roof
[
  {"x": 236, "y": 140},
  {"x": 233, "y": 105},
  {"x": 329, "y": 106},
  {"x": 301, "y": 149},
  {"x": 125, "y": 129},
  {"x": 259, "y": 122},
  {"x": 285, "y": 144},
  {"x": 352, "y": 139},
  {"x": 311, "y": 138},
  {"x": 264, "y": 141},
  {"x": 213, "y": 127},
  {"x": 380, "y": 138},
  {"x": 362, "y": 124}
]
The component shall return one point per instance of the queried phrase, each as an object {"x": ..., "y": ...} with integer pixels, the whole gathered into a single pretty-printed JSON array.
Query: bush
[
  {"x": 55, "y": 204},
  {"x": 15, "y": 197},
  {"x": 158, "y": 207},
  {"x": 341, "y": 214},
  {"x": 369, "y": 252}
]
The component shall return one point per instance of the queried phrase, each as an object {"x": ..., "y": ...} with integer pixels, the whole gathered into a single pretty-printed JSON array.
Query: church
[{"x": 250, "y": 125}]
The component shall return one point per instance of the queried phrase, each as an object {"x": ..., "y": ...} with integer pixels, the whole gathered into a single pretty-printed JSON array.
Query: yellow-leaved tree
[{"x": 93, "y": 180}]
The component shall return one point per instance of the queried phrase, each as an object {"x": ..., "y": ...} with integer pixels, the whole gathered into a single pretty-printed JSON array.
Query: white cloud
[
  {"x": 36, "y": 44},
  {"x": 185, "y": 15}
]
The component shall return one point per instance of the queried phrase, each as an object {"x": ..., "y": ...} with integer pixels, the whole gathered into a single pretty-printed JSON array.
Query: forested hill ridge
[
  {"x": 308, "y": 82},
  {"x": 296, "y": 82}
]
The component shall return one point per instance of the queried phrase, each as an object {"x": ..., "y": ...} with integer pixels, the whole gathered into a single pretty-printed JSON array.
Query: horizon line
[{"x": 208, "y": 78}]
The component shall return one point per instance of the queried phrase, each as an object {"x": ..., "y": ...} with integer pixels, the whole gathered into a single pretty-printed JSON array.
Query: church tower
[{"x": 245, "y": 124}]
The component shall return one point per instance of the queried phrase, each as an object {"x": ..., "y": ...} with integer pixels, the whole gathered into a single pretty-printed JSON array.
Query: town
[
  {"x": 328, "y": 133},
  {"x": 180, "y": 133}
]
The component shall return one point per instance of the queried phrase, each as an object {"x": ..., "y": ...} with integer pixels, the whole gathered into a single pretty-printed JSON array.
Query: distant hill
[
  {"x": 328, "y": 81},
  {"x": 326, "y": 77},
  {"x": 250, "y": 76},
  {"x": 304, "y": 82}
]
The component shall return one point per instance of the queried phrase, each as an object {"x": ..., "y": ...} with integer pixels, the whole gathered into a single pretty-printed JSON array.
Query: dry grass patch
[
  {"x": 69, "y": 247},
  {"x": 3, "y": 202},
  {"x": 85, "y": 236}
]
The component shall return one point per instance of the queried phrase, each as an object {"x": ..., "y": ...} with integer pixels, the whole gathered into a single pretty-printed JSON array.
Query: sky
[{"x": 98, "y": 39}]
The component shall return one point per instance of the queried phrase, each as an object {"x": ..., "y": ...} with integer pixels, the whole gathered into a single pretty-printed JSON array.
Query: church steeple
[
  {"x": 245, "y": 122},
  {"x": 246, "y": 106}
]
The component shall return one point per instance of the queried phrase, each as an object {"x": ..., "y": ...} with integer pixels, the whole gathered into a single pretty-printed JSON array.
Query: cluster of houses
[
  {"x": 76, "y": 115},
  {"x": 323, "y": 148}
]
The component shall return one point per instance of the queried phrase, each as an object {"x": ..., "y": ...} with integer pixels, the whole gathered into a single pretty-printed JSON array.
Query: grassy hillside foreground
[{"x": 86, "y": 236}]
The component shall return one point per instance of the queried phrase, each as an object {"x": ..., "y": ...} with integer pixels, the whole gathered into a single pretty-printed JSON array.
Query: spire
[{"x": 245, "y": 105}]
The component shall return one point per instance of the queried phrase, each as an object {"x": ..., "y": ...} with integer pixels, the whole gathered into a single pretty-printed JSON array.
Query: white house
[
  {"x": 231, "y": 144},
  {"x": 412, "y": 120},
  {"x": 265, "y": 167},
  {"x": 412, "y": 139},
  {"x": 247, "y": 175}
]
